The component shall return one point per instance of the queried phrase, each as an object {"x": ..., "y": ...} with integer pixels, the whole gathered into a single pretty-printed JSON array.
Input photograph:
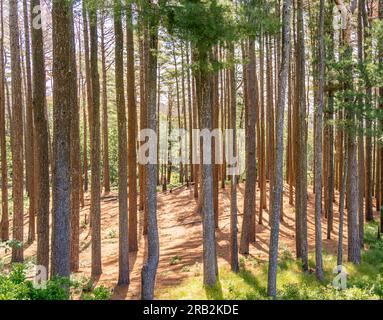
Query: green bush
[
  {"x": 99, "y": 293},
  {"x": 375, "y": 286},
  {"x": 56, "y": 289},
  {"x": 17, "y": 275},
  {"x": 16, "y": 286},
  {"x": 12, "y": 291},
  {"x": 303, "y": 292}
]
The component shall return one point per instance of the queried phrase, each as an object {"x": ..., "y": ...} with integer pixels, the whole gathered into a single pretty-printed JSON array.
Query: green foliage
[
  {"x": 256, "y": 17},
  {"x": 99, "y": 293},
  {"x": 174, "y": 260},
  {"x": 286, "y": 257},
  {"x": 364, "y": 283},
  {"x": 87, "y": 285},
  {"x": 16, "y": 286},
  {"x": 303, "y": 292},
  {"x": 358, "y": 76},
  {"x": 9, "y": 244},
  {"x": 112, "y": 234},
  {"x": 12, "y": 291},
  {"x": 204, "y": 23},
  {"x": 373, "y": 256},
  {"x": 56, "y": 289},
  {"x": 17, "y": 275},
  {"x": 113, "y": 154},
  {"x": 370, "y": 239},
  {"x": 113, "y": 149}
]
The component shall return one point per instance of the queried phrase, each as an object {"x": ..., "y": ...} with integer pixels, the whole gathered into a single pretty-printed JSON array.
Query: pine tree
[
  {"x": 17, "y": 134},
  {"x": 300, "y": 144},
  {"x": 149, "y": 269},
  {"x": 95, "y": 205},
  {"x": 74, "y": 156},
  {"x": 278, "y": 169},
  {"x": 318, "y": 149},
  {"x": 132, "y": 135},
  {"x": 29, "y": 132},
  {"x": 61, "y": 17},
  {"x": 4, "y": 223},
  {"x": 42, "y": 151},
  {"x": 250, "y": 188},
  {"x": 123, "y": 277}
]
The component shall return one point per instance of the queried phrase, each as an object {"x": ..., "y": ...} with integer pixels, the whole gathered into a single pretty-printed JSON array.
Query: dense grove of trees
[{"x": 80, "y": 80}]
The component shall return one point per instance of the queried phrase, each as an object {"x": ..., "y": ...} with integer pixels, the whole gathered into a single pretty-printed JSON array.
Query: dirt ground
[{"x": 180, "y": 234}]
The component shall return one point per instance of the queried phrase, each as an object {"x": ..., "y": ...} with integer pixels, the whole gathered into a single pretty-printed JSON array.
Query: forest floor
[{"x": 180, "y": 234}]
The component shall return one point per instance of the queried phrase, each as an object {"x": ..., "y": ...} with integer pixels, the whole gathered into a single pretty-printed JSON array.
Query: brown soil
[{"x": 180, "y": 233}]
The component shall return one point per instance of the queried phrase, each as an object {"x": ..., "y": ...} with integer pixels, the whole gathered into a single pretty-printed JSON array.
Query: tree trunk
[
  {"x": 197, "y": 173},
  {"x": 4, "y": 224},
  {"x": 330, "y": 167},
  {"x": 361, "y": 148},
  {"x": 61, "y": 17},
  {"x": 318, "y": 149},
  {"x": 185, "y": 125},
  {"x": 132, "y": 136},
  {"x": 341, "y": 209},
  {"x": 189, "y": 89},
  {"x": 262, "y": 202},
  {"x": 278, "y": 166},
  {"x": 74, "y": 156},
  {"x": 81, "y": 92},
  {"x": 105, "y": 141},
  {"x": 88, "y": 93},
  {"x": 363, "y": 34},
  {"x": 123, "y": 275},
  {"x": 251, "y": 169},
  {"x": 180, "y": 178},
  {"x": 215, "y": 156},
  {"x": 149, "y": 269},
  {"x": 352, "y": 192},
  {"x": 17, "y": 132},
  {"x": 301, "y": 145},
  {"x": 234, "y": 166},
  {"x": 29, "y": 131},
  {"x": 270, "y": 150},
  {"x": 143, "y": 108},
  {"x": 169, "y": 160},
  {"x": 209, "y": 243},
  {"x": 42, "y": 151},
  {"x": 95, "y": 210},
  {"x": 381, "y": 121},
  {"x": 352, "y": 203}
]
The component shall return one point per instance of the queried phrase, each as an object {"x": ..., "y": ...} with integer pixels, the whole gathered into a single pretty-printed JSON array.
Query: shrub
[
  {"x": 303, "y": 292},
  {"x": 99, "y": 293},
  {"x": 12, "y": 291},
  {"x": 17, "y": 275},
  {"x": 174, "y": 260},
  {"x": 374, "y": 286},
  {"x": 9, "y": 244},
  {"x": 16, "y": 286},
  {"x": 56, "y": 289},
  {"x": 293, "y": 292}
]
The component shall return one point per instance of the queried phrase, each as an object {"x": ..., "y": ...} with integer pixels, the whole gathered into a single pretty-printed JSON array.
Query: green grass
[{"x": 363, "y": 282}]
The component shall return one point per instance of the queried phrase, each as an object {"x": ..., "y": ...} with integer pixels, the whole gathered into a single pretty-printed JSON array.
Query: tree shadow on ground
[{"x": 252, "y": 281}]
